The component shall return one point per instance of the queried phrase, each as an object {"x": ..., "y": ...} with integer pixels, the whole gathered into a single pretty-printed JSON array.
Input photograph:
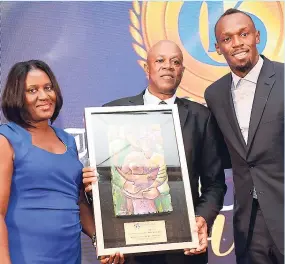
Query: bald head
[
  {"x": 164, "y": 68},
  {"x": 164, "y": 46}
]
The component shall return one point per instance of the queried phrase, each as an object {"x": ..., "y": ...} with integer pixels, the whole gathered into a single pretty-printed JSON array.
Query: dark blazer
[
  {"x": 201, "y": 144},
  {"x": 260, "y": 162}
]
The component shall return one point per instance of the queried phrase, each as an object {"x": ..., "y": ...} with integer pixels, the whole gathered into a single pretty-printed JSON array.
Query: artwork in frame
[
  {"x": 138, "y": 171},
  {"x": 142, "y": 201}
]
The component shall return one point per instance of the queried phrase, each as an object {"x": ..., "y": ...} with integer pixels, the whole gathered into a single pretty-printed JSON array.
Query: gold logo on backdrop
[{"x": 135, "y": 29}]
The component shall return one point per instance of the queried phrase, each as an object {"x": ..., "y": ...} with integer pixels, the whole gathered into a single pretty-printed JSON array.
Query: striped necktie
[{"x": 162, "y": 102}]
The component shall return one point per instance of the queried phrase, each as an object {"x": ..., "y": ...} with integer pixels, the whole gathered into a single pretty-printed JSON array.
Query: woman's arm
[
  {"x": 90, "y": 176},
  {"x": 6, "y": 172},
  {"x": 86, "y": 215}
]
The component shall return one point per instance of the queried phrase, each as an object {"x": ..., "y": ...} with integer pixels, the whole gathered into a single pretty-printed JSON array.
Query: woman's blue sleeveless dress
[{"x": 43, "y": 212}]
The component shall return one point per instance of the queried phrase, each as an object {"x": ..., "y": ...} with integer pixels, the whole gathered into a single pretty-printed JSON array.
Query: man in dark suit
[
  {"x": 248, "y": 106},
  {"x": 164, "y": 70}
]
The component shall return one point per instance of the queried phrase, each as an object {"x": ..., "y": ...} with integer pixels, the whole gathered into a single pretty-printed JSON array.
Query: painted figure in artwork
[{"x": 139, "y": 177}]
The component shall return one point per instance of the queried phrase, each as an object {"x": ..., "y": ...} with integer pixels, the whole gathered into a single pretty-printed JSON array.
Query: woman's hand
[{"x": 90, "y": 175}]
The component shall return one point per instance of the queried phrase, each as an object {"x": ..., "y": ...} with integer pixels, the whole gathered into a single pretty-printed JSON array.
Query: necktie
[{"x": 162, "y": 102}]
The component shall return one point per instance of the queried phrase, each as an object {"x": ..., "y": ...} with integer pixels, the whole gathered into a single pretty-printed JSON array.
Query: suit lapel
[
  {"x": 263, "y": 88},
  {"x": 183, "y": 111},
  {"x": 137, "y": 100},
  {"x": 232, "y": 119}
]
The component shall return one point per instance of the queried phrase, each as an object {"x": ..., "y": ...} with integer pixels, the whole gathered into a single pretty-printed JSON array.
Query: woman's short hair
[{"x": 13, "y": 97}]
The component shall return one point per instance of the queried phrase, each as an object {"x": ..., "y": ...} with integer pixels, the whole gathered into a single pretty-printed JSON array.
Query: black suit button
[{"x": 251, "y": 165}]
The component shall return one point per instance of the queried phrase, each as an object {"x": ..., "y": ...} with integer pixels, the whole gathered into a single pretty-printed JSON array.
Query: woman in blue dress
[{"x": 40, "y": 174}]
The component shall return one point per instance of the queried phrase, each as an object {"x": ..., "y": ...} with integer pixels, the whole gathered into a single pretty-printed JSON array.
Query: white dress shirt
[
  {"x": 243, "y": 90},
  {"x": 150, "y": 99}
]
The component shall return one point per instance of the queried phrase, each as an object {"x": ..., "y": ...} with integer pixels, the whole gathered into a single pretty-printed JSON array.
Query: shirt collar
[
  {"x": 252, "y": 76},
  {"x": 152, "y": 99}
]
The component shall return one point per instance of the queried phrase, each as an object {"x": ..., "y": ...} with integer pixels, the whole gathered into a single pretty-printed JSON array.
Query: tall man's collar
[{"x": 252, "y": 76}]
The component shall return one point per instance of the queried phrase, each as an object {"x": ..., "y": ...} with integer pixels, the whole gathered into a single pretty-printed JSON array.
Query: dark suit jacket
[
  {"x": 201, "y": 144},
  {"x": 260, "y": 162}
]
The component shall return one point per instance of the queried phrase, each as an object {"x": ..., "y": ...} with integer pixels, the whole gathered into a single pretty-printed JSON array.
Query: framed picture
[{"x": 142, "y": 201}]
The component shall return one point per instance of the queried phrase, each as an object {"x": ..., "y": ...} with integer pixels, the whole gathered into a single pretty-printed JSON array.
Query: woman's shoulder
[
  {"x": 4, "y": 128},
  {"x": 7, "y": 127},
  {"x": 18, "y": 137},
  {"x": 13, "y": 131}
]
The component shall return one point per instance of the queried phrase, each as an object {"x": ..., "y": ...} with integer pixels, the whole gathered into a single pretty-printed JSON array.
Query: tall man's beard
[{"x": 245, "y": 68}]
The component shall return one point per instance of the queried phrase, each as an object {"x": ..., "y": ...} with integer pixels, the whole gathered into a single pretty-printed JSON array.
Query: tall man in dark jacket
[
  {"x": 164, "y": 69},
  {"x": 248, "y": 104}
]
